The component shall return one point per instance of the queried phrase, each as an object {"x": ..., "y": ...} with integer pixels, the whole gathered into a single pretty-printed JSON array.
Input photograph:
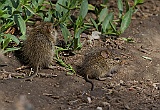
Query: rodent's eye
[{"x": 116, "y": 58}]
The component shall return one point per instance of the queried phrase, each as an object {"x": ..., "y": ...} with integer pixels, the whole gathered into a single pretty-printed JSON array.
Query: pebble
[
  {"x": 106, "y": 104},
  {"x": 89, "y": 100},
  {"x": 99, "y": 108}
]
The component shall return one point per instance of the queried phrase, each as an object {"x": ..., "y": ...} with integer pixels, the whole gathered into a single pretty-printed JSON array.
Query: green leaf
[
  {"x": 6, "y": 26},
  {"x": 1, "y": 40},
  {"x": 113, "y": 28},
  {"x": 79, "y": 21},
  {"x": 126, "y": 20},
  {"x": 78, "y": 32},
  {"x": 84, "y": 8},
  {"x": 16, "y": 12},
  {"x": 49, "y": 17},
  {"x": 120, "y": 8},
  {"x": 65, "y": 32},
  {"x": 65, "y": 7},
  {"x": 40, "y": 2},
  {"x": 105, "y": 23},
  {"x": 30, "y": 9},
  {"x": 22, "y": 37},
  {"x": 11, "y": 49},
  {"x": 35, "y": 3},
  {"x": 60, "y": 8},
  {"x": 103, "y": 14},
  {"x": 15, "y": 3},
  {"x": 24, "y": 1},
  {"x": 13, "y": 38},
  {"x": 91, "y": 7},
  {"x": 21, "y": 23},
  {"x": 5, "y": 43},
  {"x": 2, "y": 1},
  {"x": 94, "y": 23},
  {"x": 64, "y": 17},
  {"x": 77, "y": 43},
  {"x": 137, "y": 2},
  {"x": 129, "y": 40},
  {"x": 6, "y": 16},
  {"x": 70, "y": 73},
  {"x": 127, "y": 5}
]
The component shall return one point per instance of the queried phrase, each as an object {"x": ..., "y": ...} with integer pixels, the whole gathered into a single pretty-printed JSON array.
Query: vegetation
[{"x": 14, "y": 14}]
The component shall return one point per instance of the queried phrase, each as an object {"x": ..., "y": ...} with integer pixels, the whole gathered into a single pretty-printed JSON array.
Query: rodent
[
  {"x": 38, "y": 49},
  {"x": 98, "y": 64}
]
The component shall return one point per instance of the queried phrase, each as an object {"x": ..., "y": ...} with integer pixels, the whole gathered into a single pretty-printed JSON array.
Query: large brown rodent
[{"x": 39, "y": 47}]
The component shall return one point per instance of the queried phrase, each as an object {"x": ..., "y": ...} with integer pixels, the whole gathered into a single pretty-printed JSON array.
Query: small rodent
[
  {"x": 38, "y": 49},
  {"x": 97, "y": 65}
]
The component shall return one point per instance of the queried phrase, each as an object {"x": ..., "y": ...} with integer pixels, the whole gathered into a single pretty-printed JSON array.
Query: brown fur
[
  {"x": 38, "y": 48},
  {"x": 97, "y": 65}
]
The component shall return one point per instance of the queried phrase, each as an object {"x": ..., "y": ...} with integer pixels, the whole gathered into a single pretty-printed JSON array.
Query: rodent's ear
[
  {"x": 104, "y": 54},
  {"x": 37, "y": 23},
  {"x": 49, "y": 27}
]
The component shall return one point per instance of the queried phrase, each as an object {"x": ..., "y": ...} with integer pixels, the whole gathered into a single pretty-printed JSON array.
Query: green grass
[{"x": 16, "y": 13}]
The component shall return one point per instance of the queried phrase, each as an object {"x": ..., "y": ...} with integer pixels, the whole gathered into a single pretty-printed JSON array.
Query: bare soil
[{"x": 135, "y": 87}]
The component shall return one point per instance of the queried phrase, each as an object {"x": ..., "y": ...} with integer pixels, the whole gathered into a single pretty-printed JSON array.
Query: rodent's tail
[{"x": 87, "y": 80}]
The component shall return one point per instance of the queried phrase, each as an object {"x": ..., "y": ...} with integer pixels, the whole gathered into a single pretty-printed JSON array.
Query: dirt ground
[{"x": 135, "y": 87}]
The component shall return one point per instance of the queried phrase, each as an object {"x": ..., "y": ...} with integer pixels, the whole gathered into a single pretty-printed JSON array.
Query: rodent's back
[
  {"x": 98, "y": 64},
  {"x": 39, "y": 47},
  {"x": 95, "y": 65}
]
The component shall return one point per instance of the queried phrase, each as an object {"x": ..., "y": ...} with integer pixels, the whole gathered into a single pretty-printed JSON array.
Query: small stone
[
  {"x": 156, "y": 86},
  {"x": 99, "y": 108},
  {"x": 121, "y": 82},
  {"x": 106, "y": 104},
  {"x": 89, "y": 100},
  {"x": 127, "y": 107},
  {"x": 95, "y": 35}
]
